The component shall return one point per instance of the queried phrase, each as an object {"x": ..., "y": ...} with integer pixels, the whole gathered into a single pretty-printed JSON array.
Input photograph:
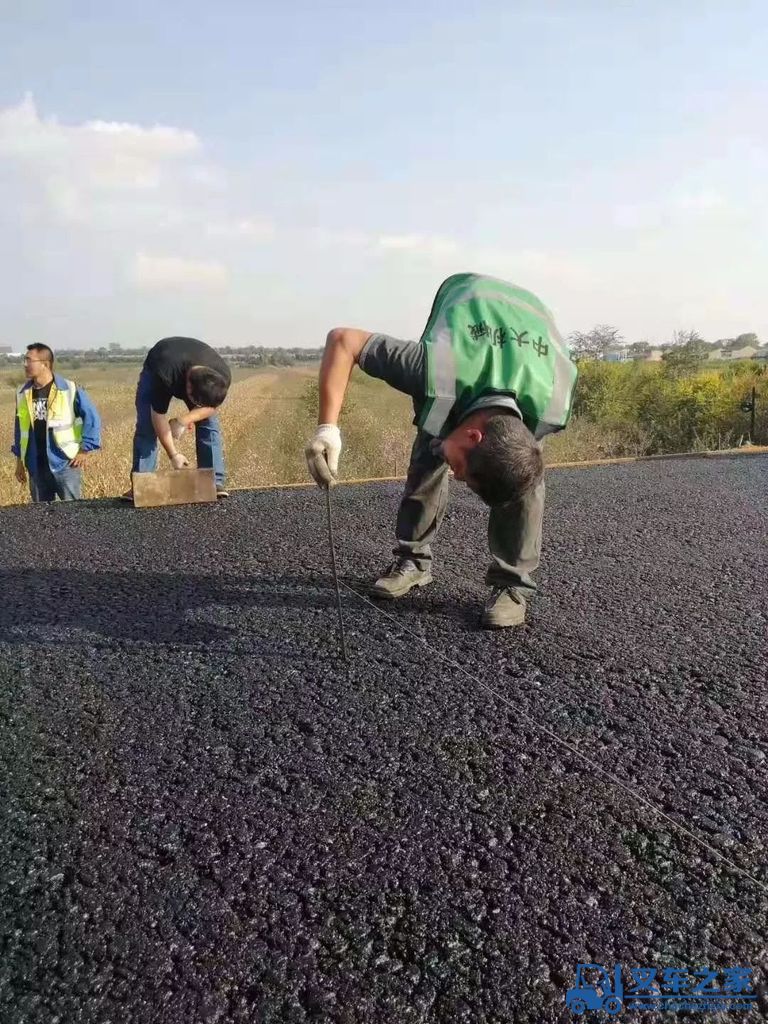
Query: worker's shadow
[
  {"x": 47, "y": 606},
  {"x": 44, "y": 606}
]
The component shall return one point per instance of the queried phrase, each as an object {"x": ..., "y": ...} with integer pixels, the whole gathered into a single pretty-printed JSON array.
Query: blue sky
[{"x": 253, "y": 173}]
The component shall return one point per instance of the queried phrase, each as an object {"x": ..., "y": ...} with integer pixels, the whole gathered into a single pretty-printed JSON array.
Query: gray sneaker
[
  {"x": 505, "y": 607},
  {"x": 402, "y": 575}
]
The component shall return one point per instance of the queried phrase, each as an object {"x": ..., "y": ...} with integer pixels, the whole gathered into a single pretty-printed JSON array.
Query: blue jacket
[{"x": 57, "y": 460}]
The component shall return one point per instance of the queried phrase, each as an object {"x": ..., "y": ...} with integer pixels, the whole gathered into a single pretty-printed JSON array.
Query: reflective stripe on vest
[
  {"x": 67, "y": 428},
  {"x": 546, "y": 382}
]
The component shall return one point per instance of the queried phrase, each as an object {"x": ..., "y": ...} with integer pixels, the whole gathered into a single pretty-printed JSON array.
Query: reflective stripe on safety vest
[
  {"x": 66, "y": 427},
  {"x": 484, "y": 337}
]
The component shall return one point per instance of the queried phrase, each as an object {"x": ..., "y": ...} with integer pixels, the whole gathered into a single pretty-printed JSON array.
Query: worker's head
[
  {"x": 205, "y": 387},
  {"x": 38, "y": 361},
  {"x": 495, "y": 454}
]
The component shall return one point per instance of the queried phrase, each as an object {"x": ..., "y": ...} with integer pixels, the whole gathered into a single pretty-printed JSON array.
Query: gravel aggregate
[{"x": 208, "y": 818}]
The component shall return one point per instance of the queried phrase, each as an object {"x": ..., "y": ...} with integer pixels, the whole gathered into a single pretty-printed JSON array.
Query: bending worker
[
  {"x": 192, "y": 371},
  {"x": 56, "y": 426},
  {"x": 489, "y": 378}
]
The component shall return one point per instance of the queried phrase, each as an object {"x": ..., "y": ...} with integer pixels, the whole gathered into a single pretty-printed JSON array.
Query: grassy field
[
  {"x": 266, "y": 420},
  {"x": 270, "y": 413}
]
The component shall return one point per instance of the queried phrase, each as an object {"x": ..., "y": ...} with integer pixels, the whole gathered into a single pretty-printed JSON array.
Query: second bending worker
[
  {"x": 489, "y": 377},
  {"x": 192, "y": 371}
]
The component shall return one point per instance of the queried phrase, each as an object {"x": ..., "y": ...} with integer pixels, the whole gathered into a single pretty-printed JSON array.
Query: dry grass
[{"x": 267, "y": 418}]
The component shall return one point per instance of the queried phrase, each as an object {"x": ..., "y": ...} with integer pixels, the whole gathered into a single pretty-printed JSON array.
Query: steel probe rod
[{"x": 332, "y": 546}]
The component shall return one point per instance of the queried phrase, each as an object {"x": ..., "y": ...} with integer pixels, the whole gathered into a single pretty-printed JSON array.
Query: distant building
[
  {"x": 5, "y": 350},
  {"x": 747, "y": 352},
  {"x": 625, "y": 355}
]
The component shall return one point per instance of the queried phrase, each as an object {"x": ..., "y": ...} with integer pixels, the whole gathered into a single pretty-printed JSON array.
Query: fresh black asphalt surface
[{"x": 207, "y": 818}]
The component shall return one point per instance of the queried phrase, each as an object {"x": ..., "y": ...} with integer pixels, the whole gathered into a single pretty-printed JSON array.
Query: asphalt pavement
[{"x": 208, "y": 817}]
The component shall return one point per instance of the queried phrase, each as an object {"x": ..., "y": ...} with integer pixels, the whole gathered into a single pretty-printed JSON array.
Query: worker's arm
[
  {"x": 21, "y": 473},
  {"x": 16, "y": 446},
  {"x": 196, "y": 415},
  {"x": 88, "y": 413},
  {"x": 180, "y": 424},
  {"x": 160, "y": 399},
  {"x": 165, "y": 437},
  {"x": 91, "y": 439},
  {"x": 342, "y": 350}
]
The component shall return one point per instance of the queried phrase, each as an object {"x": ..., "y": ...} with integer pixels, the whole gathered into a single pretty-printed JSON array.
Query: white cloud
[
  {"x": 171, "y": 272},
  {"x": 703, "y": 199},
  {"x": 246, "y": 228},
  {"x": 633, "y": 215},
  {"x": 421, "y": 245},
  {"x": 350, "y": 238},
  {"x": 104, "y": 208},
  {"x": 679, "y": 207},
  {"x": 78, "y": 165},
  {"x": 444, "y": 255},
  {"x": 120, "y": 193},
  {"x": 541, "y": 270}
]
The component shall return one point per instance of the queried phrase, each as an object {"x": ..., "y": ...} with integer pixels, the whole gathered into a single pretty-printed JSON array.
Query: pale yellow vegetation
[{"x": 266, "y": 420}]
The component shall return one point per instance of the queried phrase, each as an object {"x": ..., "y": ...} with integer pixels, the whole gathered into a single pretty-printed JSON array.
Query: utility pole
[{"x": 748, "y": 405}]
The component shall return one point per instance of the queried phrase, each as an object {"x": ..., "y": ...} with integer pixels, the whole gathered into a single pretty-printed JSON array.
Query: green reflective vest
[
  {"x": 67, "y": 429},
  {"x": 484, "y": 337}
]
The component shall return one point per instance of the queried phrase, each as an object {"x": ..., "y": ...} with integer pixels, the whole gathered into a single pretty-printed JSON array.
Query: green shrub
[{"x": 654, "y": 407}]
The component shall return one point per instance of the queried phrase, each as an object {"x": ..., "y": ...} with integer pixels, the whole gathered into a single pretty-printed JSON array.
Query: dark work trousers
[
  {"x": 514, "y": 530},
  {"x": 66, "y": 485}
]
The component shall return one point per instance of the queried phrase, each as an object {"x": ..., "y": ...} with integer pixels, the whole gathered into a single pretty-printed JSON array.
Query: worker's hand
[
  {"x": 79, "y": 460},
  {"x": 180, "y": 461},
  {"x": 322, "y": 454},
  {"x": 178, "y": 429},
  {"x": 21, "y": 473}
]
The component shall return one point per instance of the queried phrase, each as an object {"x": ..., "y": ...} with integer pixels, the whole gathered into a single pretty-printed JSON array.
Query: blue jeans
[
  {"x": 66, "y": 485},
  {"x": 208, "y": 447}
]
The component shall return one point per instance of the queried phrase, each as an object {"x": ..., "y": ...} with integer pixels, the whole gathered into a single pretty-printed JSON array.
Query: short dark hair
[
  {"x": 507, "y": 463},
  {"x": 207, "y": 387},
  {"x": 46, "y": 354}
]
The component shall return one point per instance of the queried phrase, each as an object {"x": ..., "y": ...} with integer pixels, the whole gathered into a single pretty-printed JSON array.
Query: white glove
[
  {"x": 178, "y": 429},
  {"x": 322, "y": 454},
  {"x": 180, "y": 461}
]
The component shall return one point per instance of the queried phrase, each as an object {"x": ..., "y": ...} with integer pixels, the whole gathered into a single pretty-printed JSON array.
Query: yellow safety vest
[{"x": 67, "y": 428}]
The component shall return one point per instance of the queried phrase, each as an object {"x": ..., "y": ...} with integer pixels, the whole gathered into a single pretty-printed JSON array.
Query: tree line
[
  {"x": 248, "y": 355},
  {"x": 604, "y": 337},
  {"x": 685, "y": 353}
]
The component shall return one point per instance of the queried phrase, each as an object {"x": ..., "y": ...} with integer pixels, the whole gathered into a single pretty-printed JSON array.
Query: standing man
[
  {"x": 490, "y": 376},
  {"x": 188, "y": 369},
  {"x": 56, "y": 426}
]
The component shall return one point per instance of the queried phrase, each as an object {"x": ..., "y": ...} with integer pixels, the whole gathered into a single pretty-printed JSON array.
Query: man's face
[
  {"x": 456, "y": 447},
  {"x": 33, "y": 364}
]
